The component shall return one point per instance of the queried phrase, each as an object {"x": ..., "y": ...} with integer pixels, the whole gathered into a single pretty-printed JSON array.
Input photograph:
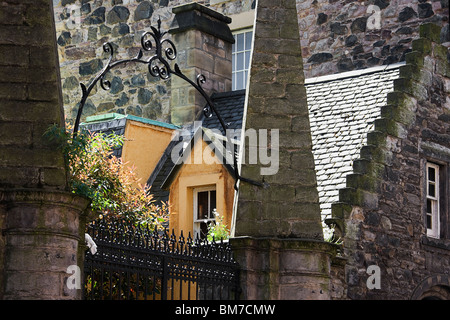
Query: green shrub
[{"x": 112, "y": 186}]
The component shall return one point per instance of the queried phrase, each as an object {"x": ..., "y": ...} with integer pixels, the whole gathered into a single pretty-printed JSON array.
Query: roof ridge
[
  {"x": 354, "y": 73},
  {"x": 108, "y": 117},
  {"x": 152, "y": 122},
  {"x": 226, "y": 94}
]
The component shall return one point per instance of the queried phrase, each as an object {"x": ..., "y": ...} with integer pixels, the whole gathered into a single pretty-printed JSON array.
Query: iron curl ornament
[{"x": 159, "y": 67}]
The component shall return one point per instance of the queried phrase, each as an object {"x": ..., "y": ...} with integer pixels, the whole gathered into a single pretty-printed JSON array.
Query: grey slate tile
[{"x": 342, "y": 110}]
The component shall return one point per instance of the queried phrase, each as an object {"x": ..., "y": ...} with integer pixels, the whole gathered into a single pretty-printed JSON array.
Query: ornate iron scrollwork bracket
[{"x": 158, "y": 66}]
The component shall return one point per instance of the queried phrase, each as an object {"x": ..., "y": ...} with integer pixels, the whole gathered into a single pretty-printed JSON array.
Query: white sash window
[
  {"x": 204, "y": 205},
  {"x": 432, "y": 204}
]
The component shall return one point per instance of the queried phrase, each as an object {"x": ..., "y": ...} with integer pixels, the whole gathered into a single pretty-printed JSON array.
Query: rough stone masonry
[{"x": 39, "y": 219}]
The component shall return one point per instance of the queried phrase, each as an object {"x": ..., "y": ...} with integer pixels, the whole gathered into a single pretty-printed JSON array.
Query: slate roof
[
  {"x": 160, "y": 173},
  {"x": 342, "y": 109},
  {"x": 230, "y": 106}
]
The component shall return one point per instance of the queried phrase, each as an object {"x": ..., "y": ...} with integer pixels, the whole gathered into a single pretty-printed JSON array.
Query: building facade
[
  {"x": 335, "y": 36},
  {"x": 393, "y": 212},
  {"x": 391, "y": 219}
]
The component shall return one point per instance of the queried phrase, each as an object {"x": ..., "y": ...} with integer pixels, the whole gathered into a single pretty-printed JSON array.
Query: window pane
[
  {"x": 248, "y": 40},
  {"x": 429, "y": 206},
  {"x": 429, "y": 224},
  {"x": 240, "y": 42},
  {"x": 239, "y": 80},
  {"x": 432, "y": 204},
  {"x": 212, "y": 204},
  {"x": 247, "y": 59},
  {"x": 202, "y": 204},
  {"x": 431, "y": 190},
  {"x": 203, "y": 230},
  {"x": 233, "y": 82},
  {"x": 240, "y": 61},
  {"x": 431, "y": 174}
]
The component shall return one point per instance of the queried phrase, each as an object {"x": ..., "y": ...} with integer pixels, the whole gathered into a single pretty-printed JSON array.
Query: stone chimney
[{"x": 203, "y": 41}]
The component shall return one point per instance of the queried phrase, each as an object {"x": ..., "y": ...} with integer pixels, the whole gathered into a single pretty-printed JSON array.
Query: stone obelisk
[{"x": 278, "y": 233}]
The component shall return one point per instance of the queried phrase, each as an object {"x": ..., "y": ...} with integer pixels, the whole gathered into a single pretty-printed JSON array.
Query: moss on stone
[
  {"x": 422, "y": 45},
  {"x": 359, "y": 197},
  {"x": 415, "y": 58},
  {"x": 430, "y": 31},
  {"x": 388, "y": 126},
  {"x": 376, "y": 138},
  {"x": 363, "y": 182},
  {"x": 341, "y": 210}
]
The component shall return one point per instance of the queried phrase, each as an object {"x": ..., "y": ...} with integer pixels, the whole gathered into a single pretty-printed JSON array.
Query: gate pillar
[
  {"x": 40, "y": 220},
  {"x": 42, "y": 236},
  {"x": 283, "y": 269}
]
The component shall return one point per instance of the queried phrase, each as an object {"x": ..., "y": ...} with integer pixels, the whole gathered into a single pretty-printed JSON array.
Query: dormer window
[{"x": 204, "y": 205}]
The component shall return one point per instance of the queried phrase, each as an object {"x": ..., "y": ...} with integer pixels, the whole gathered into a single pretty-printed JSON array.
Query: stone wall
[
  {"x": 81, "y": 29},
  {"x": 335, "y": 36},
  {"x": 83, "y": 26},
  {"x": 384, "y": 205},
  {"x": 339, "y": 36}
]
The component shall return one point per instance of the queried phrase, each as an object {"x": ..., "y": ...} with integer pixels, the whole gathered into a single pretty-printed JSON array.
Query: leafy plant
[
  {"x": 217, "y": 230},
  {"x": 112, "y": 186}
]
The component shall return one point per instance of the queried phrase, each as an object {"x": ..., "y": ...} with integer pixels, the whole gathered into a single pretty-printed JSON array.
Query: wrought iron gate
[{"x": 135, "y": 263}]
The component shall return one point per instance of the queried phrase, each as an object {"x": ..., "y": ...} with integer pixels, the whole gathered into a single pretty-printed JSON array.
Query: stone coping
[
  {"x": 31, "y": 195},
  {"x": 198, "y": 7},
  {"x": 352, "y": 74},
  {"x": 286, "y": 244}
]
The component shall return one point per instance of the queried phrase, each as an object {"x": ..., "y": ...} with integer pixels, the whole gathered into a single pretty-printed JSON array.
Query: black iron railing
[{"x": 135, "y": 263}]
